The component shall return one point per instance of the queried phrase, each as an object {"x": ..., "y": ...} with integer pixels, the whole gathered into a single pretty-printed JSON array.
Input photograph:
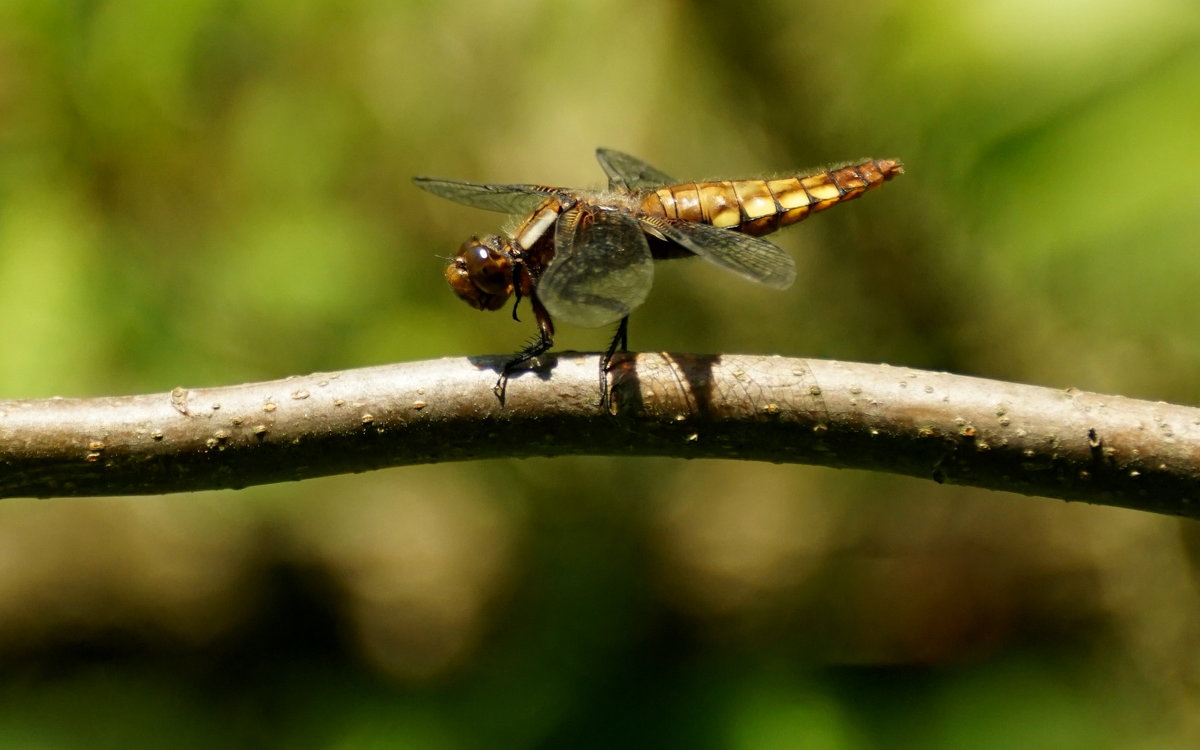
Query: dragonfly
[{"x": 586, "y": 256}]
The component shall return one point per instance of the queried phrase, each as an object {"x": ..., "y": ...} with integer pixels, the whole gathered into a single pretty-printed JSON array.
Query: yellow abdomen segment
[{"x": 761, "y": 206}]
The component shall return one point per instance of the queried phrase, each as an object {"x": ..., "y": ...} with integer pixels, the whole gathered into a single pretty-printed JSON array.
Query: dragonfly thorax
[{"x": 482, "y": 272}]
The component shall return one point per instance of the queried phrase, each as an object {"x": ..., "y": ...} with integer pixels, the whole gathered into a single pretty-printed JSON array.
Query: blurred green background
[{"x": 203, "y": 192}]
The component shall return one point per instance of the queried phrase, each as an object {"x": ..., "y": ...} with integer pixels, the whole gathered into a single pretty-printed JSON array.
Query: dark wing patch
[
  {"x": 601, "y": 269},
  {"x": 750, "y": 257},
  {"x": 508, "y": 199},
  {"x": 629, "y": 172}
]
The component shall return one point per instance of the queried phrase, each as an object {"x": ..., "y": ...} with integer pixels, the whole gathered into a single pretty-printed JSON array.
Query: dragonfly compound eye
[{"x": 481, "y": 273}]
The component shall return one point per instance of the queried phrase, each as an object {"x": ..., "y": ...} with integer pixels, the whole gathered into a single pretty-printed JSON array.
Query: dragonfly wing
[
  {"x": 509, "y": 199},
  {"x": 751, "y": 257},
  {"x": 601, "y": 269},
  {"x": 630, "y": 172}
]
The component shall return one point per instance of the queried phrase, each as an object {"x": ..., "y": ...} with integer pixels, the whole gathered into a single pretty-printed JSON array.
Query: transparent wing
[
  {"x": 751, "y": 257},
  {"x": 630, "y": 172},
  {"x": 601, "y": 269},
  {"x": 509, "y": 199}
]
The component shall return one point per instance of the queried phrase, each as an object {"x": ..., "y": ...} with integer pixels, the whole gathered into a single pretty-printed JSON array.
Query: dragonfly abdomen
[{"x": 760, "y": 207}]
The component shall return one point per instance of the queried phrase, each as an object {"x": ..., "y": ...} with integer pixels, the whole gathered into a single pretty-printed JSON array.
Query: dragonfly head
[{"x": 482, "y": 272}]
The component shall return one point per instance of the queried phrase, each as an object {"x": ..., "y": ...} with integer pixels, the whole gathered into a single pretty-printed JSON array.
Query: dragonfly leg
[
  {"x": 517, "y": 290},
  {"x": 537, "y": 346},
  {"x": 620, "y": 342}
]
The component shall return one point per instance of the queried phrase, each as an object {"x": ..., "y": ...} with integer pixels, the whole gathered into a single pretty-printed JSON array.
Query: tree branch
[{"x": 1068, "y": 444}]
